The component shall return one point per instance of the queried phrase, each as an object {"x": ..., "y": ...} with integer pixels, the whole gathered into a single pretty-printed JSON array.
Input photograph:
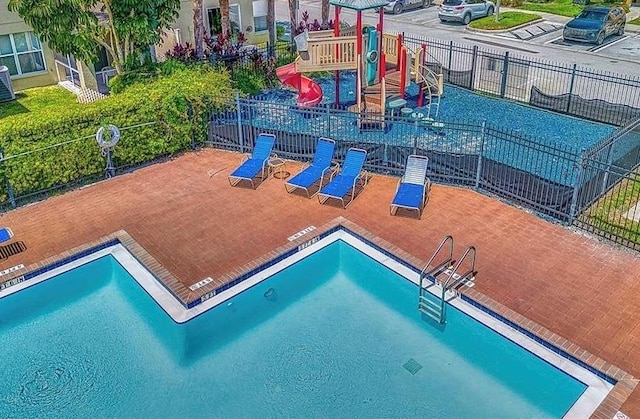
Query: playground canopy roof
[{"x": 359, "y": 4}]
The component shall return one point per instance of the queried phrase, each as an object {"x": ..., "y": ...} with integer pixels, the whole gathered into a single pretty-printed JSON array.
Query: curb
[{"x": 524, "y": 25}]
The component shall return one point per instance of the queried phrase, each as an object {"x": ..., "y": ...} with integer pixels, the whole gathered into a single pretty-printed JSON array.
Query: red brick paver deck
[{"x": 185, "y": 214}]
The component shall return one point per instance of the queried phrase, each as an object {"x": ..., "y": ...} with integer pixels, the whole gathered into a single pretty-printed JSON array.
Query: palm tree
[
  {"x": 293, "y": 17},
  {"x": 198, "y": 28},
  {"x": 224, "y": 17},
  {"x": 271, "y": 24},
  {"x": 325, "y": 14}
]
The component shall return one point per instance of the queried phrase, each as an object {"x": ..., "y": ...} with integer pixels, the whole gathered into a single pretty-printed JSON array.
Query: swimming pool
[{"x": 336, "y": 334}]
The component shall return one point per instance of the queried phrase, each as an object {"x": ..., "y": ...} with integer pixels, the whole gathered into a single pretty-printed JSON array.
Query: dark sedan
[{"x": 594, "y": 24}]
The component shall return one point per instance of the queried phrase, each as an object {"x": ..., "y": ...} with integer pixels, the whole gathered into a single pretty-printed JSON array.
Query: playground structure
[{"x": 383, "y": 64}]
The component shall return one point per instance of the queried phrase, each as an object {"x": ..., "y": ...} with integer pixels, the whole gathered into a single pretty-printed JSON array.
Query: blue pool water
[
  {"x": 462, "y": 113},
  {"x": 327, "y": 337}
]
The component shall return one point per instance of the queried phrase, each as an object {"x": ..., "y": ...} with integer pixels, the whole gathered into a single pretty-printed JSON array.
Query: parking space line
[
  {"x": 553, "y": 40},
  {"x": 601, "y": 47}
]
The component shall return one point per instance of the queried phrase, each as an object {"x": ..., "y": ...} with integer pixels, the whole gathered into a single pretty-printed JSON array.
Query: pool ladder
[{"x": 445, "y": 274}]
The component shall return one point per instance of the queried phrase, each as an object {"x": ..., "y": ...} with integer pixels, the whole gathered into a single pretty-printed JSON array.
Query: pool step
[{"x": 430, "y": 308}]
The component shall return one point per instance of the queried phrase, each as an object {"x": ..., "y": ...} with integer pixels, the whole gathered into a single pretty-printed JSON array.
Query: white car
[{"x": 464, "y": 10}]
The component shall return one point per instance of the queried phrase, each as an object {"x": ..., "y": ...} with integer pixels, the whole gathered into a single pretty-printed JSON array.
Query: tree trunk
[
  {"x": 116, "y": 50},
  {"x": 293, "y": 17},
  {"x": 225, "y": 22},
  {"x": 497, "y": 11},
  {"x": 271, "y": 24},
  {"x": 325, "y": 14},
  {"x": 198, "y": 28}
]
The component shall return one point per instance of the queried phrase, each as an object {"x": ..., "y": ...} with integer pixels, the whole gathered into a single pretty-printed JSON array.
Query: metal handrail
[
  {"x": 437, "y": 251},
  {"x": 467, "y": 251}
]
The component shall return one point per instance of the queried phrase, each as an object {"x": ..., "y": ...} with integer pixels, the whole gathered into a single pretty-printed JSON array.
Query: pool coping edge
[{"x": 623, "y": 383}]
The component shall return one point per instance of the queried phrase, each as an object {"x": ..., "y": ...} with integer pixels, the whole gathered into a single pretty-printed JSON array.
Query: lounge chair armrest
[{"x": 364, "y": 177}]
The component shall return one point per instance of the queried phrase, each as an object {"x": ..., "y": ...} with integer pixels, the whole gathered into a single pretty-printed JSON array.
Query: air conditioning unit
[{"x": 6, "y": 91}]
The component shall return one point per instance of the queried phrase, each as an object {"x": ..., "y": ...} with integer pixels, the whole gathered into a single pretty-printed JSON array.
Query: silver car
[
  {"x": 397, "y": 6},
  {"x": 464, "y": 10}
]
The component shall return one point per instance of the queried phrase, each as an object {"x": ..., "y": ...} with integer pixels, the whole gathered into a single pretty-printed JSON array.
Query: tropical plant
[
  {"x": 314, "y": 25},
  {"x": 224, "y": 45},
  {"x": 124, "y": 28},
  {"x": 183, "y": 53}
]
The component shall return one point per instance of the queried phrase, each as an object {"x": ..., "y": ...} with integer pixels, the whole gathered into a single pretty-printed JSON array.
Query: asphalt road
[{"x": 618, "y": 54}]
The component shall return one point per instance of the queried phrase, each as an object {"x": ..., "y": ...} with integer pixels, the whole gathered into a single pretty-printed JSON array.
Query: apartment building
[
  {"x": 32, "y": 63},
  {"x": 246, "y": 16}
]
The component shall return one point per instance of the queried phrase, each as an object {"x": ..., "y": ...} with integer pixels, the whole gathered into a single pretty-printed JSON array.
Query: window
[
  {"x": 215, "y": 26},
  {"x": 260, "y": 15},
  {"x": 21, "y": 53}
]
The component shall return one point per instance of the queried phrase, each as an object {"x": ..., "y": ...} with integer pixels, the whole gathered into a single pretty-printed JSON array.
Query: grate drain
[
  {"x": 412, "y": 366},
  {"x": 12, "y": 249}
]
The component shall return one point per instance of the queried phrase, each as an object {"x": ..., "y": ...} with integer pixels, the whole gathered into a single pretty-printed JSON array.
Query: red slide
[{"x": 309, "y": 92}]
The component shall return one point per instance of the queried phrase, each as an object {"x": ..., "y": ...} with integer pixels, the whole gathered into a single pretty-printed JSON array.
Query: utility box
[{"x": 6, "y": 90}]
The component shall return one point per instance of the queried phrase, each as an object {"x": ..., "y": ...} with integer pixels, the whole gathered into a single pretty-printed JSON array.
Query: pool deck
[{"x": 187, "y": 216}]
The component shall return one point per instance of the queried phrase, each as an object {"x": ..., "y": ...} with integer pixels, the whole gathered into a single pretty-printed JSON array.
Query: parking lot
[{"x": 543, "y": 39}]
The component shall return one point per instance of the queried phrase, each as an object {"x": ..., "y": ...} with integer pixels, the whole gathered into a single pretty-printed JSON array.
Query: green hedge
[{"x": 36, "y": 160}]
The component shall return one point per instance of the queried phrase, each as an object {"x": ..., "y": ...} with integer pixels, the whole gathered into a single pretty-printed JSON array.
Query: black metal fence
[
  {"x": 472, "y": 154},
  {"x": 559, "y": 181},
  {"x": 608, "y": 202},
  {"x": 569, "y": 89}
]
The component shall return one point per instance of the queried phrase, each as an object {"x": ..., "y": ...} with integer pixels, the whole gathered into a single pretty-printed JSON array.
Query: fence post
[
  {"x": 328, "y": 118},
  {"x": 605, "y": 178},
  {"x": 505, "y": 74},
  {"x": 571, "y": 83},
  {"x": 10, "y": 194},
  {"x": 450, "y": 61},
  {"x": 474, "y": 57},
  {"x": 240, "y": 135},
  {"x": 479, "y": 169},
  {"x": 573, "y": 209}
]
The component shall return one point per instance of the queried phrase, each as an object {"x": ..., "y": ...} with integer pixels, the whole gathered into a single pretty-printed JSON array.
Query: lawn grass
[
  {"x": 507, "y": 20},
  {"x": 37, "y": 100},
  {"x": 561, "y": 7},
  {"x": 635, "y": 21},
  {"x": 607, "y": 214}
]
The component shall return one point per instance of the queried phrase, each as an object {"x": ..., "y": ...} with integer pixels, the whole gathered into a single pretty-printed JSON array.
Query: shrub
[
  {"x": 163, "y": 114},
  {"x": 314, "y": 25}
]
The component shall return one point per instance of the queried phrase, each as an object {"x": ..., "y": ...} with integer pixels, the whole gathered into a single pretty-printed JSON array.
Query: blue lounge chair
[
  {"x": 413, "y": 187},
  {"x": 316, "y": 171},
  {"x": 257, "y": 163},
  {"x": 346, "y": 180},
  {"x": 5, "y": 234}
]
